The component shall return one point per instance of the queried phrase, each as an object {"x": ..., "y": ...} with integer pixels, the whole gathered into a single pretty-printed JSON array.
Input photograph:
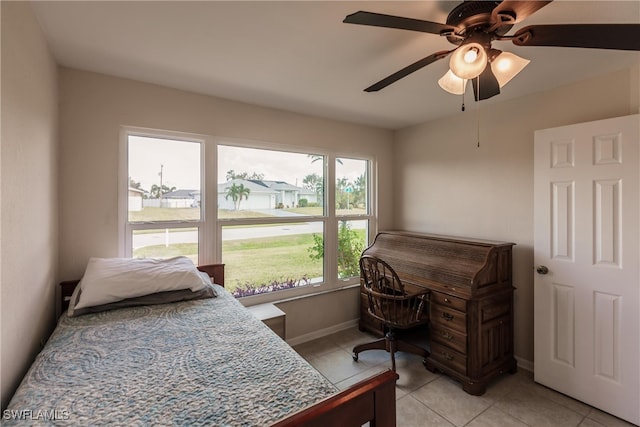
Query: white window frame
[
  {"x": 127, "y": 228},
  {"x": 369, "y": 216},
  {"x": 210, "y": 226}
]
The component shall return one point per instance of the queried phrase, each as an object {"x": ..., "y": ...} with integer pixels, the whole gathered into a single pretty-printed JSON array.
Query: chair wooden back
[{"x": 388, "y": 300}]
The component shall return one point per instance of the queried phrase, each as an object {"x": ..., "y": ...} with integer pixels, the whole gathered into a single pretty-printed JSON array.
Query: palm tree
[
  {"x": 157, "y": 192},
  {"x": 237, "y": 192},
  {"x": 316, "y": 157}
]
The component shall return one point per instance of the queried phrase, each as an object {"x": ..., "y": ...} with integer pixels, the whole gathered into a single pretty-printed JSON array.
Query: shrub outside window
[{"x": 352, "y": 213}]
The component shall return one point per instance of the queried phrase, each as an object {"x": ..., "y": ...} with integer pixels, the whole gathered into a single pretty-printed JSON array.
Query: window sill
[{"x": 276, "y": 299}]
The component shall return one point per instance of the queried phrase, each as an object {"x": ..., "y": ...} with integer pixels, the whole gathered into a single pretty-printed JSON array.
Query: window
[
  {"x": 164, "y": 213},
  {"x": 279, "y": 219},
  {"x": 352, "y": 213},
  {"x": 272, "y": 213}
]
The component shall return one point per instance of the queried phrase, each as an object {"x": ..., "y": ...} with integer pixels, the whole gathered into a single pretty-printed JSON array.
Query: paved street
[
  {"x": 162, "y": 238},
  {"x": 235, "y": 233}
]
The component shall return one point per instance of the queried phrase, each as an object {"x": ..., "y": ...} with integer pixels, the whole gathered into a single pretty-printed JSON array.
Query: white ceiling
[{"x": 299, "y": 56}]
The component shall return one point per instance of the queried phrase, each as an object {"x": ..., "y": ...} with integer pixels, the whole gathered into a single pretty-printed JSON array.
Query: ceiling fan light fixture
[
  {"x": 506, "y": 66},
  {"x": 452, "y": 83},
  {"x": 470, "y": 56},
  {"x": 468, "y": 61}
]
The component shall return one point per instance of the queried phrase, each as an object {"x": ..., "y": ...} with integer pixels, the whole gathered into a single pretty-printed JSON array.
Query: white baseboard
[
  {"x": 525, "y": 364},
  {"x": 322, "y": 332}
]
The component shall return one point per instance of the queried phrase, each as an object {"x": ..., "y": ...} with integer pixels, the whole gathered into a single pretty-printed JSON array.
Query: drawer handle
[
  {"x": 446, "y": 300},
  {"x": 447, "y": 355},
  {"x": 447, "y": 336},
  {"x": 448, "y": 317}
]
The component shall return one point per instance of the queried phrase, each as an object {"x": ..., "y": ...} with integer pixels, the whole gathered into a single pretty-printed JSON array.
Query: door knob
[{"x": 541, "y": 269}]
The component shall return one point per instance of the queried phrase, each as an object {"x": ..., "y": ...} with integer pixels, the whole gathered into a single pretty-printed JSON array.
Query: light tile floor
[{"x": 427, "y": 399}]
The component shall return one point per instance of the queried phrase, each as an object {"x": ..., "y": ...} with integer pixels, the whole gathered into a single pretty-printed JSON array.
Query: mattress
[{"x": 202, "y": 362}]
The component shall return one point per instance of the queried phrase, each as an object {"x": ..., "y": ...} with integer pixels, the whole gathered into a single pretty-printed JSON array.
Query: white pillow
[{"x": 108, "y": 280}]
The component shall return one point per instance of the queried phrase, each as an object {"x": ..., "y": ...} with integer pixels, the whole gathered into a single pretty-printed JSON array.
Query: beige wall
[
  {"x": 309, "y": 318},
  {"x": 93, "y": 108},
  {"x": 445, "y": 184},
  {"x": 28, "y": 255}
]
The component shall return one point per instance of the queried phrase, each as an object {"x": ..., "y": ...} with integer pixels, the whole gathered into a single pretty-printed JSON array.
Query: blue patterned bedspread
[{"x": 205, "y": 362}]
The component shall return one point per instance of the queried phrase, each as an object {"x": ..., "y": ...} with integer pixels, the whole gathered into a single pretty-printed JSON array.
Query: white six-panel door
[{"x": 587, "y": 256}]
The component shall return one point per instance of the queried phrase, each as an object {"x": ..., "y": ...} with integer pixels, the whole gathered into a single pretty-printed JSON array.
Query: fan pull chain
[
  {"x": 478, "y": 126},
  {"x": 463, "y": 91},
  {"x": 478, "y": 113}
]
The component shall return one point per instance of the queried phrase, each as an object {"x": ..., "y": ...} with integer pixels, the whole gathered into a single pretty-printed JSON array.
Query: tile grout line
[{"x": 344, "y": 343}]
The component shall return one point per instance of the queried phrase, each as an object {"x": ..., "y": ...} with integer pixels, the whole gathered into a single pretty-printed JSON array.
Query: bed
[{"x": 196, "y": 362}]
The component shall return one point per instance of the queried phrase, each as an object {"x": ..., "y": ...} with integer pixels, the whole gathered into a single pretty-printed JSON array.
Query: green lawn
[
  {"x": 254, "y": 261},
  {"x": 189, "y": 250},
  {"x": 262, "y": 260}
]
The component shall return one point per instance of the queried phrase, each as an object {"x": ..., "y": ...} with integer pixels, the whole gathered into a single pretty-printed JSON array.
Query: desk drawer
[
  {"x": 449, "y": 301},
  {"x": 449, "y": 357},
  {"x": 449, "y": 338},
  {"x": 448, "y": 318}
]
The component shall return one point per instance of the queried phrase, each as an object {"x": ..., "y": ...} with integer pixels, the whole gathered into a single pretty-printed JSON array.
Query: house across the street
[{"x": 265, "y": 194}]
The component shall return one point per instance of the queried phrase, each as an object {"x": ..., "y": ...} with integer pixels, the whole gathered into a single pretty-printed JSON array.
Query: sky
[
  {"x": 179, "y": 160},
  {"x": 181, "y": 169},
  {"x": 275, "y": 165}
]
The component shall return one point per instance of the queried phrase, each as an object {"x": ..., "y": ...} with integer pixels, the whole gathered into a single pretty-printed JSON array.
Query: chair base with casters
[
  {"x": 393, "y": 304},
  {"x": 391, "y": 344}
]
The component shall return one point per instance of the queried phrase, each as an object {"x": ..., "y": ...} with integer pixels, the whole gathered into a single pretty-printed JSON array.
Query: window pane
[
  {"x": 352, "y": 240},
  {"x": 351, "y": 187},
  {"x": 272, "y": 257},
  {"x": 164, "y": 179},
  {"x": 166, "y": 243},
  {"x": 254, "y": 183}
]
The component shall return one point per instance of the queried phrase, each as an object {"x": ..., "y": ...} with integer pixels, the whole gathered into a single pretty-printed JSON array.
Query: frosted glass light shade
[
  {"x": 468, "y": 61},
  {"x": 506, "y": 65},
  {"x": 452, "y": 83}
]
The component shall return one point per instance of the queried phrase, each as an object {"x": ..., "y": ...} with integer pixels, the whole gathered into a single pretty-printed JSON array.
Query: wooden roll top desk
[{"x": 471, "y": 301}]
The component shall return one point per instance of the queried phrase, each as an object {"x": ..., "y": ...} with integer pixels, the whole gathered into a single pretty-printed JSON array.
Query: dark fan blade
[
  {"x": 597, "y": 36},
  {"x": 488, "y": 85},
  {"x": 517, "y": 10},
  {"x": 389, "y": 21},
  {"x": 408, "y": 70}
]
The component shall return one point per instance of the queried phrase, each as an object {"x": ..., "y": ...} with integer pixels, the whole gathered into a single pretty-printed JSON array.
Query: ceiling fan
[{"x": 474, "y": 25}]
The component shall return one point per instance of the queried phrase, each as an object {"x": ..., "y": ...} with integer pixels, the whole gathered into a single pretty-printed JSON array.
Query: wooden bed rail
[{"x": 372, "y": 400}]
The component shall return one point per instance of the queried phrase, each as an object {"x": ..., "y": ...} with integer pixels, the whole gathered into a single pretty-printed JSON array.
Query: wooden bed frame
[{"x": 372, "y": 400}]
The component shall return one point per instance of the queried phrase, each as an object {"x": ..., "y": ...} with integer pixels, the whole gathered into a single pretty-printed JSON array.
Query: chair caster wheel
[{"x": 355, "y": 357}]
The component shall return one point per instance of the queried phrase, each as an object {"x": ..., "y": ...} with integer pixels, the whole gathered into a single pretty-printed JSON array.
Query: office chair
[{"x": 393, "y": 305}]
